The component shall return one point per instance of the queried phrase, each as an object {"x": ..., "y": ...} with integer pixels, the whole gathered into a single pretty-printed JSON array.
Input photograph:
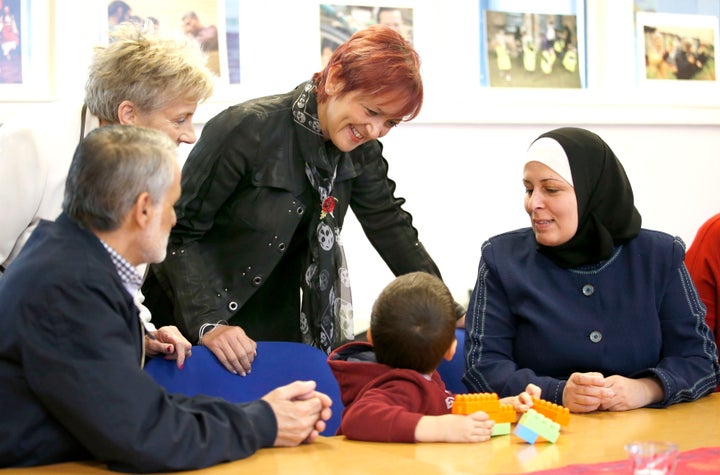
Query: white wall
[
  {"x": 459, "y": 164},
  {"x": 463, "y": 185}
]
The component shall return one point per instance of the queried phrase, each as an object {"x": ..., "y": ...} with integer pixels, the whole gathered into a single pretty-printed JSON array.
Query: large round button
[
  {"x": 588, "y": 290},
  {"x": 595, "y": 336},
  {"x": 257, "y": 280},
  {"x": 232, "y": 306}
]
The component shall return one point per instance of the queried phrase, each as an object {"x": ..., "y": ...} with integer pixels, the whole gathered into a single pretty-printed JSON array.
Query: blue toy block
[{"x": 528, "y": 435}]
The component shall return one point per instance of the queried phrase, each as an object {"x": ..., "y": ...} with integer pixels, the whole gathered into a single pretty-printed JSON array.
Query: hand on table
[
  {"x": 168, "y": 341},
  {"x": 300, "y": 411},
  {"x": 631, "y": 393},
  {"x": 232, "y": 347},
  {"x": 586, "y": 392},
  {"x": 475, "y": 427}
]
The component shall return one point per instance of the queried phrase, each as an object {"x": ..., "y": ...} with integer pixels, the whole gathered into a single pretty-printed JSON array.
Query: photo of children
[{"x": 530, "y": 50}]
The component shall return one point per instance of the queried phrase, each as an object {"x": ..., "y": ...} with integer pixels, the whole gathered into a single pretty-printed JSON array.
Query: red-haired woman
[{"x": 264, "y": 195}]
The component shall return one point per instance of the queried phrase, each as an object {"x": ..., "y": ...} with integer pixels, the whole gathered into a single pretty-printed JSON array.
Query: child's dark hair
[{"x": 413, "y": 322}]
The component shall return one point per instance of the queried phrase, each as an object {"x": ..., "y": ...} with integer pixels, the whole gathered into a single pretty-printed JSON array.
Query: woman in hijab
[{"x": 596, "y": 311}]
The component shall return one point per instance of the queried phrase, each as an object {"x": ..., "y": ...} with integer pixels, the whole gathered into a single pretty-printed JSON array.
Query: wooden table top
[{"x": 589, "y": 438}]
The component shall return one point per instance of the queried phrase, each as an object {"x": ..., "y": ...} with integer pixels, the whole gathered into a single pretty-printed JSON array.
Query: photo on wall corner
[
  {"x": 674, "y": 47},
  {"x": 12, "y": 39},
  {"x": 676, "y": 42}
]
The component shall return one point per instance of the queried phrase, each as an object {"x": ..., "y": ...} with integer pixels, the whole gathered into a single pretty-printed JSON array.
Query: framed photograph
[
  {"x": 339, "y": 22},
  {"x": 25, "y": 50},
  {"x": 676, "y": 47},
  {"x": 213, "y": 23},
  {"x": 531, "y": 45}
]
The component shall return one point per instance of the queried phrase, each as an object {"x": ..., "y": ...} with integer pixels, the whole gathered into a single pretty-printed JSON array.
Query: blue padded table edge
[{"x": 276, "y": 364}]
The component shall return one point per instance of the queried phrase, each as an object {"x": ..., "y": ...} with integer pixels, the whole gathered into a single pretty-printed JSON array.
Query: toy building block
[
  {"x": 502, "y": 428},
  {"x": 506, "y": 413},
  {"x": 552, "y": 411},
  {"x": 486, "y": 402},
  {"x": 533, "y": 425},
  {"x": 525, "y": 433},
  {"x": 469, "y": 403}
]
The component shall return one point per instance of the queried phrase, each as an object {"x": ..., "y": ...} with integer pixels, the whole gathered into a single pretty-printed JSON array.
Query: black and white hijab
[{"x": 607, "y": 216}]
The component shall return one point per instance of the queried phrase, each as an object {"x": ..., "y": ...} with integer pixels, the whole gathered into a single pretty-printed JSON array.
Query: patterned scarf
[{"x": 326, "y": 319}]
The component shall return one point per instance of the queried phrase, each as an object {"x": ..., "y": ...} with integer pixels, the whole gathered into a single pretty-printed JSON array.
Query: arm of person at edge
[
  {"x": 703, "y": 263},
  {"x": 660, "y": 386},
  {"x": 211, "y": 180},
  {"x": 387, "y": 225},
  {"x": 24, "y": 174}
]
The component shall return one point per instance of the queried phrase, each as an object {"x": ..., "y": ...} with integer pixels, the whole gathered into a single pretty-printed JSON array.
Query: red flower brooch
[{"x": 328, "y": 205}]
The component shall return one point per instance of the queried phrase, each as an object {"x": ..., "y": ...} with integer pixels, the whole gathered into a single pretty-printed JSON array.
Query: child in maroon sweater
[{"x": 390, "y": 387}]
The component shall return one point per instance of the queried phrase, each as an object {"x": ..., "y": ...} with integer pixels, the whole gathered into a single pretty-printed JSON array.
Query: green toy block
[
  {"x": 532, "y": 422},
  {"x": 502, "y": 428}
]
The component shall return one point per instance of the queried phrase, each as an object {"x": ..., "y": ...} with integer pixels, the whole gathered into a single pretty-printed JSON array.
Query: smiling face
[
  {"x": 351, "y": 119},
  {"x": 551, "y": 203}
]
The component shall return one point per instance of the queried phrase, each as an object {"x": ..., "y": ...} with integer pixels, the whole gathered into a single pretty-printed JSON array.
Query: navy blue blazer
[
  {"x": 71, "y": 378},
  {"x": 635, "y": 314}
]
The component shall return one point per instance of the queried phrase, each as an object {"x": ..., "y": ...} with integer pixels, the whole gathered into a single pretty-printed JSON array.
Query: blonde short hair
[{"x": 147, "y": 70}]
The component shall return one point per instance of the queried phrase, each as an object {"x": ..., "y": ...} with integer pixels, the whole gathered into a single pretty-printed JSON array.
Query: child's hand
[
  {"x": 475, "y": 427},
  {"x": 533, "y": 391},
  {"x": 523, "y": 401}
]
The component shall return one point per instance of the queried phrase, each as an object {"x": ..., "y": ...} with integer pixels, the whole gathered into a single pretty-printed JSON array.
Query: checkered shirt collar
[{"x": 127, "y": 272}]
